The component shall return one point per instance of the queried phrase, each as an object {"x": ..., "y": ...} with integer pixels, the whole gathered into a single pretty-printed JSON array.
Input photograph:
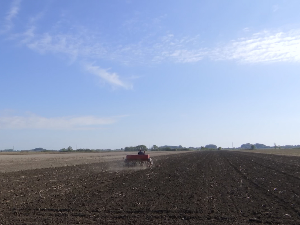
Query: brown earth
[
  {"x": 209, "y": 187},
  {"x": 15, "y": 161},
  {"x": 289, "y": 152}
]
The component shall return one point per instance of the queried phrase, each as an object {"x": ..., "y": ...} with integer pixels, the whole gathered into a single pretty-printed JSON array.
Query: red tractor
[{"x": 138, "y": 160}]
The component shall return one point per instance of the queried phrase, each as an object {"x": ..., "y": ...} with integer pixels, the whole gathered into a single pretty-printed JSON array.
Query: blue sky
[{"x": 111, "y": 74}]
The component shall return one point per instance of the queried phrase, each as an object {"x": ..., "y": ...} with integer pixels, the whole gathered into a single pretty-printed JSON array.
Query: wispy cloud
[
  {"x": 56, "y": 44},
  {"x": 275, "y": 8},
  {"x": 39, "y": 122},
  {"x": 80, "y": 45},
  {"x": 111, "y": 78},
  {"x": 180, "y": 50},
  {"x": 161, "y": 49},
  {"x": 262, "y": 47},
  {"x": 84, "y": 46},
  {"x": 246, "y": 29},
  {"x": 11, "y": 14},
  {"x": 77, "y": 47}
]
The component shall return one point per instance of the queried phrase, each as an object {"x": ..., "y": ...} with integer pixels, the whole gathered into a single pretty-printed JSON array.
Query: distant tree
[
  {"x": 154, "y": 148},
  {"x": 142, "y": 147},
  {"x": 166, "y": 149},
  {"x": 219, "y": 148},
  {"x": 127, "y": 149},
  {"x": 136, "y": 148},
  {"x": 252, "y": 147},
  {"x": 69, "y": 149}
]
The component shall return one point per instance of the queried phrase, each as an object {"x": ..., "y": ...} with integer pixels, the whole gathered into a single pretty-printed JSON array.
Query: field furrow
[{"x": 209, "y": 187}]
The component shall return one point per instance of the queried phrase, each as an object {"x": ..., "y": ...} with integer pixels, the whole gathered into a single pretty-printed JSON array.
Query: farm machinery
[{"x": 138, "y": 160}]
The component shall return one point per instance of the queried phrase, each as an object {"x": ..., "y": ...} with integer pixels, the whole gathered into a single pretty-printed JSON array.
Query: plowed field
[{"x": 216, "y": 187}]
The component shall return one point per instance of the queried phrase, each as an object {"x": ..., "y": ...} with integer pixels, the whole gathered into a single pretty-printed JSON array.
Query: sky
[{"x": 110, "y": 74}]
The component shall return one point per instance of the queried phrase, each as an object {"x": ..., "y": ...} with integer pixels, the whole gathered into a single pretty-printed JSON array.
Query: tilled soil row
[{"x": 209, "y": 187}]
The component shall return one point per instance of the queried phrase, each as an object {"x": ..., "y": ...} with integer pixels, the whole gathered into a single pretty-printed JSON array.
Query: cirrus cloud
[
  {"x": 82, "y": 45},
  {"x": 111, "y": 78},
  {"x": 11, "y": 14},
  {"x": 262, "y": 47}
]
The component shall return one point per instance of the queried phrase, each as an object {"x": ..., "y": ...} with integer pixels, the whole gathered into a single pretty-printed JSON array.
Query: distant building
[
  {"x": 246, "y": 146},
  {"x": 211, "y": 146},
  {"x": 259, "y": 146},
  {"x": 38, "y": 149}
]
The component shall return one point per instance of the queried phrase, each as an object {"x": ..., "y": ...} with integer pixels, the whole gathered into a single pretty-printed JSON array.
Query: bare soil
[
  {"x": 209, "y": 187},
  {"x": 15, "y": 161},
  {"x": 289, "y": 152}
]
